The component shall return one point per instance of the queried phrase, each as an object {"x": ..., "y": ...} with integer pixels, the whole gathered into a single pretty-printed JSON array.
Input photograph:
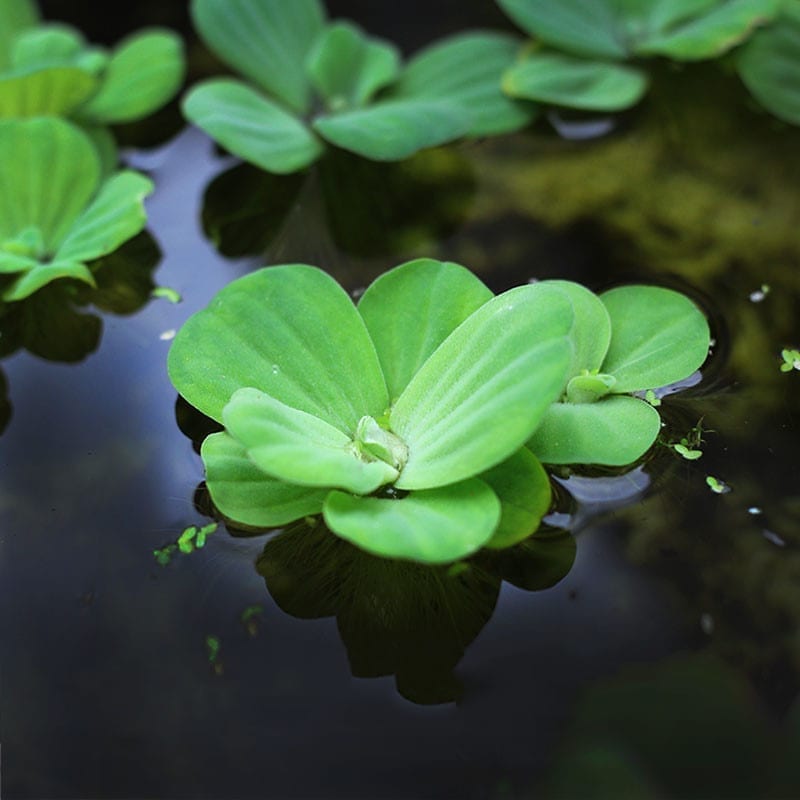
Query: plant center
[
  {"x": 374, "y": 443},
  {"x": 589, "y": 387}
]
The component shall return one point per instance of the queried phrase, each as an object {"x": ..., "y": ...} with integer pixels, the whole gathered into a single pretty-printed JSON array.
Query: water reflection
[
  {"x": 371, "y": 208},
  {"x": 51, "y": 323},
  {"x": 399, "y": 618}
]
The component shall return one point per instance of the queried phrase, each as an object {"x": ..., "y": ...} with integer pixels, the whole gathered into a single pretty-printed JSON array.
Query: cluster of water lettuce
[
  {"x": 588, "y": 55},
  {"x": 412, "y": 421},
  {"x": 313, "y": 82},
  {"x": 62, "y": 202}
]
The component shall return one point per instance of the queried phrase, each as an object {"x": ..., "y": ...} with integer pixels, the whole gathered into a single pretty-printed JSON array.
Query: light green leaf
[
  {"x": 143, "y": 73},
  {"x": 15, "y": 16},
  {"x": 410, "y": 310},
  {"x": 523, "y": 488},
  {"x": 591, "y": 333},
  {"x": 433, "y": 526},
  {"x": 300, "y": 448},
  {"x": 723, "y": 26},
  {"x": 15, "y": 262},
  {"x": 614, "y": 431},
  {"x": 290, "y": 331},
  {"x": 347, "y": 68},
  {"x": 466, "y": 69},
  {"x": 267, "y": 41},
  {"x": 575, "y": 26},
  {"x": 42, "y": 274},
  {"x": 769, "y": 65},
  {"x": 392, "y": 130},
  {"x": 658, "y": 336},
  {"x": 484, "y": 390},
  {"x": 244, "y": 494},
  {"x": 251, "y": 126},
  {"x": 565, "y": 80},
  {"x": 114, "y": 216},
  {"x": 48, "y": 174},
  {"x": 46, "y": 46},
  {"x": 49, "y": 92}
]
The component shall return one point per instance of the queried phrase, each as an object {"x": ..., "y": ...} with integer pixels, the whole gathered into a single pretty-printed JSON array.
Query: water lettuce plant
[
  {"x": 311, "y": 83},
  {"x": 586, "y": 55},
  {"x": 769, "y": 64},
  {"x": 58, "y": 212},
  {"x": 51, "y": 70},
  {"x": 628, "y": 339},
  {"x": 402, "y": 420}
]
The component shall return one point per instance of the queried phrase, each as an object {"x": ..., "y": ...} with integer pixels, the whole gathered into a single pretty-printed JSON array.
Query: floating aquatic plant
[
  {"x": 311, "y": 83},
  {"x": 51, "y": 70},
  {"x": 629, "y": 339},
  {"x": 58, "y": 213},
  {"x": 403, "y": 420},
  {"x": 769, "y": 64},
  {"x": 583, "y": 51}
]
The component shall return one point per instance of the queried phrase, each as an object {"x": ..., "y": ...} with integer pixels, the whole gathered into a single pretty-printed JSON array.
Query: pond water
[{"x": 648, "y": 646}]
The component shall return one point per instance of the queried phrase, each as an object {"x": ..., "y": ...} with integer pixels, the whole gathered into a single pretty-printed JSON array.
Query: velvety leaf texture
[
  {"x": 484, "y": 390},
  {"x": 410, "y": 310},
  {"x": 245, "y": 494},
  {"x": 290, "y": 331},
  {"x": 433, "y": 526}
]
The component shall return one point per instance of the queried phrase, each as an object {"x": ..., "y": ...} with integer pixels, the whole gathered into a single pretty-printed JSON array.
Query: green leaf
[
  {"x": 251, "y": 126},
  {"x": 433, "y": 526},
  {"x": 466, "y": 69},
  {"x": 523, "y": 488},
  {"x": 15, "y": 16},
  {"x": 143, "y": 73},
  {"x": 392, "y": 130},
  {"x": 15, "y": 262},
  {"x": 484, "y": 390},
  {"x": 591, "y": 333},
  {"x": 619, "y": 29},
  {"x": 658, "y": 336},
  {"x": 290, "y": 331},
  {"x": 410, "y": 310},
  {"x": 614, "y": 431},
  {"x": 709, "y": 35},
  {"x": 584, "y": 29},
  {"x": 267, "y": 41},
  {"x": 48, "y": 174},
  {"x": 300, "y": 448},
  {"x": 565, "y": 80},
  {"x": 42, "y": 274},
  {"x": 769, "y": 65},
  {"x": 347, "y": 68},
  {"x": 115, "y": 215},
  {"x": 49, "y": 92},
  {"x": 245, "y": 495},
  {"x": 47, "y": 46}
]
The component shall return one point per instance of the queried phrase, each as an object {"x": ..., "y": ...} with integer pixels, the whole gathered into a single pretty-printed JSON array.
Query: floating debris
[
  {"x": 168, "y": 335},
  {"x": 759, "y": 294},
  {"x": 251, "y": 617},
  {"x": 213, "y": 647},
  {"x": 754, "y": 510},
  {"x": 168, "y": 294},
  {"x": 773, "y": 537},
  {"x": 717, "y": 486},
  {"x": 707, "y": 623}
]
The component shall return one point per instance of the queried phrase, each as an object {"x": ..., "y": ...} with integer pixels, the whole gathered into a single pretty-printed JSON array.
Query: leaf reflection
[{"x": 400, "y": 618}]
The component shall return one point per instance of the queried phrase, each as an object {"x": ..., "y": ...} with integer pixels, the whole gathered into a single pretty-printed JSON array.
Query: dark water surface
[{"x": 663, "y": 662}]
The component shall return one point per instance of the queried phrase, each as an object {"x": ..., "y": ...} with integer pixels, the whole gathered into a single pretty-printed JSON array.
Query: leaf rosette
[
  {"x": 628, "y": 339},
  {"x": 51, "y": 70},
  {"x": 587, "y": 55},
  {"x": 58, "y": 212},
  {"x": 402, "y": 420},
  {"x": 310, "y": 83}
]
